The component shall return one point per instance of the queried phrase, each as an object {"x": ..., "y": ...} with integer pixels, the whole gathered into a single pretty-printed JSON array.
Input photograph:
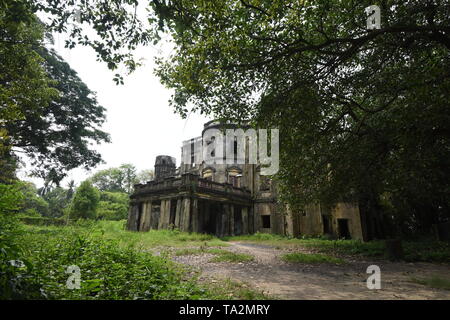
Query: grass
[
  {"x": 433, "y": 282},
  {"x": 229, "y": 289},
  {"x": 427, "y": 251},
  {"x": 310, "y": 258},
  {"x": 227, "y": 256},
  {"x": 115, "y": 230},
  {"x": 113, "y": 267},
  {"x": 220, "y": 254}
]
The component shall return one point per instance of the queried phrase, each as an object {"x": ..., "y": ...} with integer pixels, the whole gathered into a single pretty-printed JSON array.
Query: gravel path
[{"x": 284, "y": 280}]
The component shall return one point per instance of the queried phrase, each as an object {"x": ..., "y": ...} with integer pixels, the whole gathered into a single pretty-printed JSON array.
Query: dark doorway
[
  {"x": 237, "y": 220},
  {"x": 211, "y": 218},
  {"x": 343, "y": 229},
  {"x": 173, "y": 211},
  {"x": 156, "y": 211},
  {"x": 265, "y": 221},
  {"x": 139, "y": 216},
  {"x": 326, "y": 224}
]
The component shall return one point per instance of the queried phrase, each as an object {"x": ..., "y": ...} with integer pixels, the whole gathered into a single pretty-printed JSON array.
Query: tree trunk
[{"x": 394, "y": 249}]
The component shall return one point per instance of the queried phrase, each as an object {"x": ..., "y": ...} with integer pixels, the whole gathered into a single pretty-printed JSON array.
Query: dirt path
[{"x": 283, "y": 280}]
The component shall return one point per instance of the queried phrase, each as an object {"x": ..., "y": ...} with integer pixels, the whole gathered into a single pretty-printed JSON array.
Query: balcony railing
[{"x": 190, "y": 182}]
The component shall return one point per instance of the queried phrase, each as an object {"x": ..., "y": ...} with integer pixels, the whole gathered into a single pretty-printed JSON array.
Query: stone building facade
[{"x": 228, "y": 199}]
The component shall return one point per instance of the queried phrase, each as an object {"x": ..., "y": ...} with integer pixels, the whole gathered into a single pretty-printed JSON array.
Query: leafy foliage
[
  {"x": 14, "y": 281},
  {"x": 85, "y": 201},
  {"x": 121, "y": 179},
  {"x": 363, "y": 114},
  {"x": 108, "y": 271},
  {"x": 113, "y": 205}
]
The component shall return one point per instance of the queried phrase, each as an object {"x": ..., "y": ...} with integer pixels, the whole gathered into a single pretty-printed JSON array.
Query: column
[
  {"x": 186, "y": 214},
  {"x": 147, "y": 216},
  {"x": 225, "y": 220},
  {"x": 162, "y": 215},
  {"x": 178, "y": 214},
  {"x": 195, "y": 216},
  {"x": 244, "y": 220},
  {"x": 232, "y": 220}
]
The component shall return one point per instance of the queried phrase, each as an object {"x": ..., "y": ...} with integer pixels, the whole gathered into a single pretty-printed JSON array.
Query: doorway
[
  {"x": 343, "y": 230},
  {"x": 326, "y": 224}
]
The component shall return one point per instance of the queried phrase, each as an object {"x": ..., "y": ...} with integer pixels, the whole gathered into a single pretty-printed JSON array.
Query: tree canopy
[
  {"x": 46, "y": 111},
  {"x": 363, "y": 114}
]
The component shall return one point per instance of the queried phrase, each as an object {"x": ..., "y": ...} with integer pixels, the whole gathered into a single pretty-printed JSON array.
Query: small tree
[{"x": 85, "y": 201}]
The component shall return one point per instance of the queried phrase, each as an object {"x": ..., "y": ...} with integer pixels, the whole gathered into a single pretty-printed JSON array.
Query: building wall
[
  {"x": 311, "y": 221},
  {"x": 264, "y": 215}
]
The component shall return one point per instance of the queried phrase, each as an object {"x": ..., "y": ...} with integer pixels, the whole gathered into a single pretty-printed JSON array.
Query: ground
[
  {"x": 283, "y": 280},
  {"x": 259, "y": 266}
]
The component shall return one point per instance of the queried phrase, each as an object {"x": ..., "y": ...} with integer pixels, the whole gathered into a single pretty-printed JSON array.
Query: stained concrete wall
[{"x": 310, "y": 221}]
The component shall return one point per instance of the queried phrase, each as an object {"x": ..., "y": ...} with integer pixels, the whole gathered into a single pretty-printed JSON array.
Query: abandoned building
[{"x": 228, "y": 199}]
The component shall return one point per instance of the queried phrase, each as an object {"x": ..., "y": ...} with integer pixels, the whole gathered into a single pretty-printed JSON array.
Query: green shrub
[
  {"x": 108, "y": 271},
  {"x": 43, "y": 221},
  {"x": 85, "y": 201},
  {"x": 310, "y": 258}
]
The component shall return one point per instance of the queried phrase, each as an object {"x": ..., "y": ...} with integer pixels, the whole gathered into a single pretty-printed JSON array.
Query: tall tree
[
  {"x": 121, "y": 179},
  {"x": 46, "y": 111},
  {"x": 363, "y": 114},
  {"x": 85, "y": 201}
]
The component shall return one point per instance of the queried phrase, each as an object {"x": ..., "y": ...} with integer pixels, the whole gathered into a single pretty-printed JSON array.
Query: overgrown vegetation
[
  {"x": 220, "y": 254},
  {"x": 310, "y": 258},
  {"x": 436, "y": 282},
  {"x": 110, "y": 267},
  {"x": 429, "y": 251}
]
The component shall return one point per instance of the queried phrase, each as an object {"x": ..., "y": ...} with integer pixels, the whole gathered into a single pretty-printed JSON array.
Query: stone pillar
[
  {"x": 244, "y": 220},
  {"x": 167, "y": 215},
  {"x": 164, "y": 217},
  {"x": 225, "y": 220},
  {"x": 131, "y": 223},
  {"x": 147, "y": 214},
  {"x": 134, "y": 213},
  {"x": 186, "y": 215},
  {"x": 231, "y": 220},
  {"x": 142, "y": 213},
  {"x": 178, "y": 213},
  {"x": 195, "y": 215}
]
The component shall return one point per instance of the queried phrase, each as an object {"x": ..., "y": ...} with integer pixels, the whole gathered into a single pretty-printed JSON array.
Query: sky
[{"x": 140, "y": 121}]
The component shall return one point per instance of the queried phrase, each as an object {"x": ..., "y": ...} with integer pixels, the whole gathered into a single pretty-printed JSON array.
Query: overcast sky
[{"x": 140, "y": 121}]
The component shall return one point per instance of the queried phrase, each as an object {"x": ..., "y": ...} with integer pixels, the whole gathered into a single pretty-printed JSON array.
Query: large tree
[
  {"x": 85, "y": 201},
  {"x": 46, "y": 111},
  {"x": 363, "y": 114},
  {"x": 120, "y": 179}
]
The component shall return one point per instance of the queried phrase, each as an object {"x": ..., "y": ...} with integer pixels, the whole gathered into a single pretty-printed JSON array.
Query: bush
[
  {"x": 85, "y": 201},
  {"x": 43, "y": 221},
  {"x": 113, "y": 206},
  {"x": 107, "y": 270}
]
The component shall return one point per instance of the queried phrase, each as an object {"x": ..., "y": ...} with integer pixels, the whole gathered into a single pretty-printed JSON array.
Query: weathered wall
[{"x": 310, "y": 221}]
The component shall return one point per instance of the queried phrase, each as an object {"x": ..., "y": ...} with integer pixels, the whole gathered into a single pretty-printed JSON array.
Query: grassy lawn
[
  {"x": 114, "y": 230},
  {"x": 229, "y": 289},
  {"x": 433, "y": 282},
  {"x": 112, "y": 266},
  {"x": 310, "y": 258},
  {"x": 220, "y": 254},
  {"x": 428, "y": 251}
]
